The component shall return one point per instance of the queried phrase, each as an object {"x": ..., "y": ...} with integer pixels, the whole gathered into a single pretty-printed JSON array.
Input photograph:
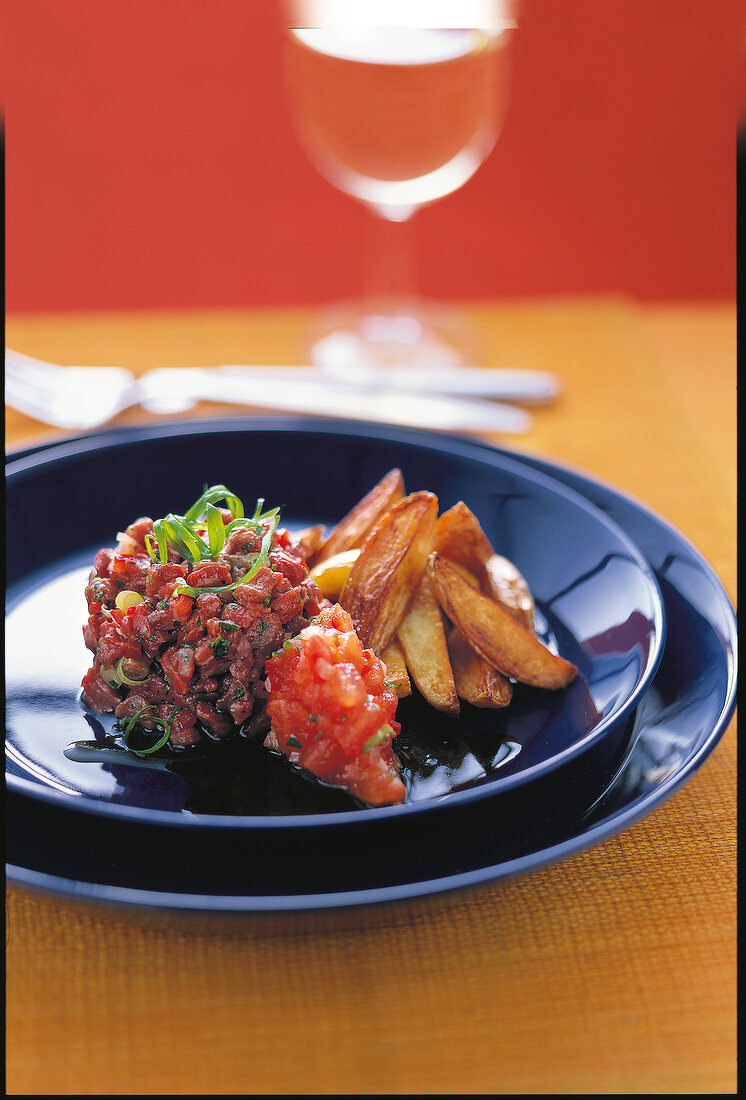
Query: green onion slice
[
  {"x": 164, "y": 723},
  {"x": 184, "y": 538},
  {"x": 215, "y": 530},
  {"x": 200, "y": 534},
  {"x": 211, "y": 496},
  {"x": 259, "y": 561},
  {"x": 124, "y": 678}
]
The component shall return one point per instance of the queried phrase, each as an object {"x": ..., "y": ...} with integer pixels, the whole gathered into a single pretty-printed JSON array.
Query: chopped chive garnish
[{"x": 200, "y": 534}]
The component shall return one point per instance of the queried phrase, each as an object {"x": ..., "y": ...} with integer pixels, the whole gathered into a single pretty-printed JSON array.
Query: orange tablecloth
[{"x": 613, "y": 972}]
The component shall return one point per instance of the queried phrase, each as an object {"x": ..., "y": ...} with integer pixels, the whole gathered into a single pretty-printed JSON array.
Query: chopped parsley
[{"x": 220, "y": 647}]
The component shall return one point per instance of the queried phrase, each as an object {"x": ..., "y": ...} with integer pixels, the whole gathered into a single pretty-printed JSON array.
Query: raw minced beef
[{"x": 193, "y": 661}]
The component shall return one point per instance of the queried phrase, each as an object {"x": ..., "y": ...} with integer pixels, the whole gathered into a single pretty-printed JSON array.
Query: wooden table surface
[{"x": 612, "y": 972}]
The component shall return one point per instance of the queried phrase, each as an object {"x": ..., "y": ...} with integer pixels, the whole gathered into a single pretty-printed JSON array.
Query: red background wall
[{"x": 151, "y": 160}]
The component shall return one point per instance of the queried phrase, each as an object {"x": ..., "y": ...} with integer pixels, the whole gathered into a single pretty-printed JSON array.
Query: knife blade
[
  {"x": 175, "y": 389},
  {"x": 522, "y": 385}
]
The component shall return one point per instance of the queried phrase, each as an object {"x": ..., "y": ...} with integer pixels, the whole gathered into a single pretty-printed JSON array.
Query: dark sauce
[{"x": 238, "y": 776}]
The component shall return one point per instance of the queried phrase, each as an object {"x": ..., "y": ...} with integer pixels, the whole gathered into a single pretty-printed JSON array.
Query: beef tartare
[{"x": 184, "y": 617}]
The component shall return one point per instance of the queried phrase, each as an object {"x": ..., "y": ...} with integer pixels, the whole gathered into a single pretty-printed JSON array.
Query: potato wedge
[
  {"x": 389, "y": 568},
  {"x": 332, "y": 573},
  {"x": 465, "y": 573},
  {"x": 476, "y": 681},
  {"x": 507, "y": 585},
  {"x": 460, "y": 539},
  {"x": 352, "y": 529},
  {"x": 494, "y": 633},
  {"x": 423, "y": 639},
  {"x": 396, "y": 669}
]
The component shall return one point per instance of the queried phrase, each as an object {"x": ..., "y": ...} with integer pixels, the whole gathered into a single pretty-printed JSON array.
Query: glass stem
[{"x": 389, "y": 279}]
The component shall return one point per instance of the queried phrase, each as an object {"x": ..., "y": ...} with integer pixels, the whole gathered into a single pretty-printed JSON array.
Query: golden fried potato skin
[
  {"x": 494, "y": 633},
  {"x": 396, "y": 669},
  {"x": 352, "y": 529},
  {"x": 423, "y": 638},
  {"x": 459, "y": 538},
  {"x": 389, "y": 568},
  {"x": 508, "y": 587},
  {"x": 477, "y": 682}
]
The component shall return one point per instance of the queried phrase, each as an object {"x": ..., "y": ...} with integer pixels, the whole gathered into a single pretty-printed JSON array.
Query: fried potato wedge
[
  {"x": 494, "y": 633},
  {"x": 396, "y": 669},
  {"x": 476, "y": 681},
  {"x": 507, "y": 585},
  {"x": 423, "y": 639},
  {"x": 465, "y": 573},
  {"x": 331, "y": 574},
  {"x": 352, "y": 529},
  {"x": 389, "y": 568},
  {"x": 460, "y": 539}
]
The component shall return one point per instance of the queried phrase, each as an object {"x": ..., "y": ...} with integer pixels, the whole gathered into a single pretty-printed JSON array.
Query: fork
[
  {"x": 87, "y": 397},
  {"x": 67, "y": 397}
]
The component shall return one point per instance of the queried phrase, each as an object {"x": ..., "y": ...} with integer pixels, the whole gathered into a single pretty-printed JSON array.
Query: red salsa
[{"x": 332, "y": 711}]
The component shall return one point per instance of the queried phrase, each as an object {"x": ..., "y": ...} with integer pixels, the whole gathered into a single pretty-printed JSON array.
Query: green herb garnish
[
  {"x": 163, "y": 723},
  {"x": 378, "y": 738},
  {"x": 200, "y": 534}
]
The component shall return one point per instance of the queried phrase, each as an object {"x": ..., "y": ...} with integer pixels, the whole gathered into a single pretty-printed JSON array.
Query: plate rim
[{"x": 127, "y": 436}]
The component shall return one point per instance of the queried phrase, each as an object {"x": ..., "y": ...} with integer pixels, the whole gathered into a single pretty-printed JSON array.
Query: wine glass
[{"x": 396, "y": 117}]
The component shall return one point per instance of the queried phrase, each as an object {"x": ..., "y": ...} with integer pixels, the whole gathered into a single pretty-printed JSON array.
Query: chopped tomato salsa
[{"x": 332, "y": 711}]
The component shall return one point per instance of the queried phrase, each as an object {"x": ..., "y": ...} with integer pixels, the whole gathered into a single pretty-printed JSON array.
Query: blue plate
[
  {"x": 598, "y": 603},
  {"x": 669, "y": 735}
]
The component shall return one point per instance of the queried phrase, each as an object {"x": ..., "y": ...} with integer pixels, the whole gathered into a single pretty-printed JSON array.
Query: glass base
[{"x": 363, "y": 341}]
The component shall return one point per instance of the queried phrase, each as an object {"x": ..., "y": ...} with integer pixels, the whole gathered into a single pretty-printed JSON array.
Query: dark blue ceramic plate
[
  {"x": 598, "y": 603},
  {"x": 669, "y": 736}
]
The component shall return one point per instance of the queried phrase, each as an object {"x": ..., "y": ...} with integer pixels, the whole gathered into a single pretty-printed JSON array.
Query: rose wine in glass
[{"x": 396, "y": 117}]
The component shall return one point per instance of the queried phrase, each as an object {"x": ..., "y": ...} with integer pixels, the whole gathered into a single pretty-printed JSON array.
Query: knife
[
  {"x": 302, "y": 390},
  {"x": 526, "y": 386}
]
